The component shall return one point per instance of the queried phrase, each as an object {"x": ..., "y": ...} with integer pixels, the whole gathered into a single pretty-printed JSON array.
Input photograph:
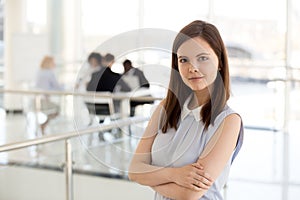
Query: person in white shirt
[{"x": 136, "y": 80}]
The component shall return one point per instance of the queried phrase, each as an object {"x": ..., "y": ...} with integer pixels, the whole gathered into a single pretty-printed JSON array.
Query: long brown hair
[{"x": 178, "y": 92}]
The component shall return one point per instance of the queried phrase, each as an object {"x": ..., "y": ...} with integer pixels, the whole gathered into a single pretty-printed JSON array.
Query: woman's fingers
[
  {"x": 198, "y": 166},
  {"x": 200, "y": 185},
  {"x": 193, "y": 176},
  {"x": 201, "y": 179},
  {"x": 206, "y": 181},
  {"x": 200, "y": 171},
  {"x": 196, "y": 188}
]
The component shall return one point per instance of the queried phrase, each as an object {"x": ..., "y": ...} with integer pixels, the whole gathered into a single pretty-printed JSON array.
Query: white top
[
  {"x": 46, "y": 80},
  {"x": 183, "y": 146},
  {"x": 85, "y": 75}
]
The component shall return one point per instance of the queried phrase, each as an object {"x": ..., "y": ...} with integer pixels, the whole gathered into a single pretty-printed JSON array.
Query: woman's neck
[{"x": 201, "y": 96}]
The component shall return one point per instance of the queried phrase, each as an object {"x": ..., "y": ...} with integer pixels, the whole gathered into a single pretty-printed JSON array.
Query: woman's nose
[{"x": 193, "y": 68}]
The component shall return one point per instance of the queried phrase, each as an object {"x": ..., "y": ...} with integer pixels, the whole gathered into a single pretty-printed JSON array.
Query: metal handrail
[
  {"x": 68, "y": 135},
  {"x": 117, "y": 96},
  {"x": 68, "y": 146},
  {"x": 62, "y": 136}
]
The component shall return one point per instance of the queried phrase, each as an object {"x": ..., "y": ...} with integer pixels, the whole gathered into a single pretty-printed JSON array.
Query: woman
[
  {"x": 46, "y": 80},
  {"x": 193, "y": 136}
]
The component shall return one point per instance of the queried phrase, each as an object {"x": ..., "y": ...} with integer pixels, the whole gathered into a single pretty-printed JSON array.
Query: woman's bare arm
[{"x": 141, "y": 170}]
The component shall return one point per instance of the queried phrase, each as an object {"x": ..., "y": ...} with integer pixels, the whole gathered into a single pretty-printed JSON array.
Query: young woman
[
  {"x": 193, "y": 136},
  {"x": 46, "y": 80}
]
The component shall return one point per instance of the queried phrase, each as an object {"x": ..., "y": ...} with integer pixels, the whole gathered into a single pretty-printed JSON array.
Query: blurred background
[{"x": 262, "y": 40}]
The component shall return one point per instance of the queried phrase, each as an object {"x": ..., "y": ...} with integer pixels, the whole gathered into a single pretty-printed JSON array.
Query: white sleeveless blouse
[{"x": 183, "y": 146}]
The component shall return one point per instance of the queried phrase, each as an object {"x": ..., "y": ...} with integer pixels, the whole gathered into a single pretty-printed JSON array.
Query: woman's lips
[{"x": 196, "y": 78}]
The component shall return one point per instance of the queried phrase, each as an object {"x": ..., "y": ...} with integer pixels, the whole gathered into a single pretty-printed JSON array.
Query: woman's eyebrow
[{"x": 201, "y": 54}]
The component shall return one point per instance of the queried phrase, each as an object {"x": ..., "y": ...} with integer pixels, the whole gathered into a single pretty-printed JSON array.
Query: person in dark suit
[{"x": 107, "y": 80}]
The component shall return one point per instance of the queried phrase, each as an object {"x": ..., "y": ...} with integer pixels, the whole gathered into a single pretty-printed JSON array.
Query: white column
[
  {"x": 72, "y": 30},
  {"x": 211, "y": 11},
  {"x": 64, "y": 23},
  {"x": 73, "y": 51},
  {"x": 287, "y": 90},
  {"x": 14, "y": 23},
  {"x": 64, "y": 18},
  {"x": 55, "y": 27}
]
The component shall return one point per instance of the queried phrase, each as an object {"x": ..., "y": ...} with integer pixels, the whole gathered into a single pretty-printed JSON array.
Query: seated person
[
  {"x": 94, "y": 65},
  {"x": 107, "y": 80},
  {"x": 136, "y": 79},
  {"x": 46, "y": 80},
  {"x": 129, "y": 70}
]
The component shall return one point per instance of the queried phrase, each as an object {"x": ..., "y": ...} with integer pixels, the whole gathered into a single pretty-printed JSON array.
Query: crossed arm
[{"x": 190, "y": 181}]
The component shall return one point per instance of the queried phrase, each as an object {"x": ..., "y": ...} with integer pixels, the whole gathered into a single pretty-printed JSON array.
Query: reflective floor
[
  {"x": 257, "y": 171},
  {"x": 107, "y": 152}
]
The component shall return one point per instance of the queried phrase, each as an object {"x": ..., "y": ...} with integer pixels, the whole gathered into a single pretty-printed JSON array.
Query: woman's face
[
  {"x": 51, "y": 64},
  {"x": 197, "y": 63}
]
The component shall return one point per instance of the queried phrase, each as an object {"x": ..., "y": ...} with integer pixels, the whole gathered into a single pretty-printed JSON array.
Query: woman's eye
[
  {"x": 202, "y": 58},
  {"x": 182, "y": 60}
]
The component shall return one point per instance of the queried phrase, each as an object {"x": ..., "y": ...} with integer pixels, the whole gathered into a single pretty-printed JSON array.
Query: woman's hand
[{"x": 192, "y": 176}]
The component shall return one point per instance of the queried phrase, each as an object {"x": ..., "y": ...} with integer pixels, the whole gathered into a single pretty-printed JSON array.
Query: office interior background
[{"x": 262, "y": 40}]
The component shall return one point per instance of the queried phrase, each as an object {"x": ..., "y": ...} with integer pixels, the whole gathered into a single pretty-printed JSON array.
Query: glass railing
[{"x": 70, "y": 144}]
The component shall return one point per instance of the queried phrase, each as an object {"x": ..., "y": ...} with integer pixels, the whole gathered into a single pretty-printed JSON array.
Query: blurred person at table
[
  {"x": 136, "y": 80},
  {"x": 107, "y": 80},
  {"x": 133, "y": 72},
  {"x": 46, "y": 80},
  {"x": 94, "y": 65}
]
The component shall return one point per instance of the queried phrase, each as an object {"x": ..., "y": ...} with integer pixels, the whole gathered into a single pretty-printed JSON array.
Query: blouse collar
[{"x": 186, "y": 111}]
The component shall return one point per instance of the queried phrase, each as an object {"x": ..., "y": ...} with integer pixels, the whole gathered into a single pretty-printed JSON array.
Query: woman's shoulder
[
  {"x": 162, "y": 102},
  {"x": 158, "y": 108},
  {"x": 227, "y": 110}
]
